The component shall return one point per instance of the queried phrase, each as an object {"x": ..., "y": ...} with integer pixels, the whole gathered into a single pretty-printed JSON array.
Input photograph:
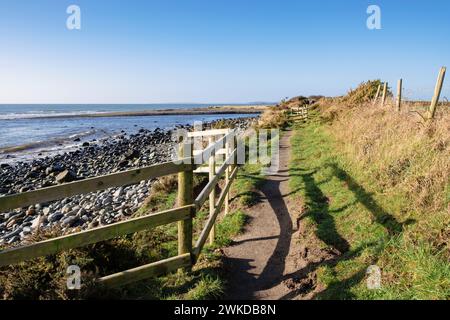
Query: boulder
[{"x": 66, "y": 176}]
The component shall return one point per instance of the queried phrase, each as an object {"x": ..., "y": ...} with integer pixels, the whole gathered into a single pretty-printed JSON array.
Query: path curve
[{"x": 260, "y": 260}]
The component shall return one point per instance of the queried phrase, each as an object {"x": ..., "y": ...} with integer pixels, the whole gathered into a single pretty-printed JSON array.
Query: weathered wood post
[
  {"x": 399, "y": 94},
  {"x": 437, "y": 93},
  {"x": 227, "y": 175},
  {"x": 383, "y": 99},
  {"x": 234, "y": 147},
  {"x": 212, "y": 195},
  {"x": 185, "y": 197},
  {"x": 377, "y": 95}
]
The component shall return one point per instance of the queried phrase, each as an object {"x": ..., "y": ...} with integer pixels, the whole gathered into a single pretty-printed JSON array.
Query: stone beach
[{"x": 94, "y": 158}]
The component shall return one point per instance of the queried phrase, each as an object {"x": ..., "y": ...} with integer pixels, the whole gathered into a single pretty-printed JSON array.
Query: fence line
[
  {"x": 431, "y": 111},
  {"x": 189, "y": 160}
]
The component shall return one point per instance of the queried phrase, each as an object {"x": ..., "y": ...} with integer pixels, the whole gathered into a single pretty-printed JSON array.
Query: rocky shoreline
[{"x": 95, "y": 158}]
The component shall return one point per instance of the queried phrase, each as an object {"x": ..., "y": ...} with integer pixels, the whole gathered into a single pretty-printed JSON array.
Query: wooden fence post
[
  {"x": 212, "y": 195},
  {"x": 399, "y": 94},
  {"x": 383, "y": 99},
  {"x": 185, "y": 197},
  {"x": 227, "y": 177},
  {"x": 437, "y": 93},
  {"x": 377, "y": 95}
]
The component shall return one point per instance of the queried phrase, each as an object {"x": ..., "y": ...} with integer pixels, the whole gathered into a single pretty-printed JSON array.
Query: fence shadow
[
  {"x": 319, "y": 212},
  {"x": 381, "y": 216}
]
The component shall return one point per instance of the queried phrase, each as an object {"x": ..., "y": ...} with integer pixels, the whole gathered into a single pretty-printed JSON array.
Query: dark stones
[
  {"x": 66, "y": 176},
  {"x": 132, "y": 154}
]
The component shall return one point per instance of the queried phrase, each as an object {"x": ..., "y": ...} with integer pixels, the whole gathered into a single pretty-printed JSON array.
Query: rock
[
  {"x": 70, "y": 221},
  {"x": 24, "y": 189},
  {"x": 5, "y": 166},
  {"x": 93, "y": 224},
  {"x": 66, "y": 176},
  {"x": 31, "y": 211},
  {"x": 38, "y": 221},
  {"x": 13, "y": 239},
  {"x": 85, "y": 144},
  {"x": 123, "y": 163},
  {"x": 11, "y": 223},
  {"x": 132, "y": 154},
  {"x": 118, "y": 193},
  {"x": 55, "y": 217},
  {"x": 46, "y": 211},
  {"x": 107, "y": 201},
  {"x": 66, "y": 209}
]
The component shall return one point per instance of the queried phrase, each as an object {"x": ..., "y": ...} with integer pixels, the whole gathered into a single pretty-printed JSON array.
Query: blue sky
[{"x": 213, "y": 51}]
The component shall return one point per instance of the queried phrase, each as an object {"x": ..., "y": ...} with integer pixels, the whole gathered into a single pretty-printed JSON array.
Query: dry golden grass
[
  {"x": 403, "y": 150},
  {"x": 273, "y": 118}
]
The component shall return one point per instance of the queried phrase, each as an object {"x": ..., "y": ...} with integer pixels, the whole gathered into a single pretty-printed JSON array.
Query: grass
[{"x": 356, "y": 206}]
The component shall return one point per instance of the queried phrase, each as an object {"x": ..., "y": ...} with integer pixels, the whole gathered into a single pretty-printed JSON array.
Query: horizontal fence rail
[
  {"x": 147, "y": 271},
  {"x": 80, "y": 239},
  {"x": 210, "y": 223},
  {"x": 222, "y": 143},
  {"x": 91, "y": 184}
]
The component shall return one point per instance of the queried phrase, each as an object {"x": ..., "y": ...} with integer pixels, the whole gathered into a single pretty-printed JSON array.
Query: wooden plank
[
  {"x": 207, "y": 133},
  {"x": 212, "y": 148},
  {"x": 227, "y": 178},
  {"x": 90, "y": 185},
  {"x": 147, "y": 271},
  {"x": 201, "y": 198},
  {"x": 205, "y": 169},
  {"x": 212, "y": 219},
  {"x": 212, "y": 194},
  {"x": 437, "y": 93},
  {"x": 218, "y": 152},
  {"x": 83, "y": 238}
]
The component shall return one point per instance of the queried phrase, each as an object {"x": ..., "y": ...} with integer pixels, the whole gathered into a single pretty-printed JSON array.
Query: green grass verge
[{"x": 346, "y": 209}]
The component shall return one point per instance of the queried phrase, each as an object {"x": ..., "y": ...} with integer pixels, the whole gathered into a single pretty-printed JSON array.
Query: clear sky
[{"x": 213, "y": 51}]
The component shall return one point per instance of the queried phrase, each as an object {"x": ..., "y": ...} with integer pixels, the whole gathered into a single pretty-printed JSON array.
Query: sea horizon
[{"x": 31, "y": 129}]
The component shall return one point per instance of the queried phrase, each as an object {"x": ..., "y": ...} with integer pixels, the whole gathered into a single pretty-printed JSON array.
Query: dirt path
[{"x": 263, "y": 259}]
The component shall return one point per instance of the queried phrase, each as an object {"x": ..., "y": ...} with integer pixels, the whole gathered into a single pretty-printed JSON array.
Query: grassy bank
[{"x": 374, "y": 191}]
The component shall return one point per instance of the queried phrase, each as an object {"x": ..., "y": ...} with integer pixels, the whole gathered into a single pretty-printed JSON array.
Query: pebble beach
[{"x": 95, "y": 158}]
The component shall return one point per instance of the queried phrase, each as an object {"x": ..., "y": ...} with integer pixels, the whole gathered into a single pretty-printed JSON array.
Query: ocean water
[{"x": 26, "y": 130}]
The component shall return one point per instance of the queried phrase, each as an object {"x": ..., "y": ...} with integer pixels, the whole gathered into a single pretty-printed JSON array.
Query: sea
[{"x": 28, "y": 131}]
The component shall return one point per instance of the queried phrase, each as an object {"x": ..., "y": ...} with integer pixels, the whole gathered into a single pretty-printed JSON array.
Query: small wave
[
  {"x": 46, "y": 114},
  {"x": 46, "y": 143}
]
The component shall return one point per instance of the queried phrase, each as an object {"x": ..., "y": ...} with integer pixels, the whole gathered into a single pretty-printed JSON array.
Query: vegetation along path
[{"x": 263, "y": 257}]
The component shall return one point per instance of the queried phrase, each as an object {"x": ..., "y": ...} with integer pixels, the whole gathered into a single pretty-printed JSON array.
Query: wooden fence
[
  {"x": 431, "y": 111},
  {"x": 299, "y": 113},
  {"x": 221, "y": 143}
]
